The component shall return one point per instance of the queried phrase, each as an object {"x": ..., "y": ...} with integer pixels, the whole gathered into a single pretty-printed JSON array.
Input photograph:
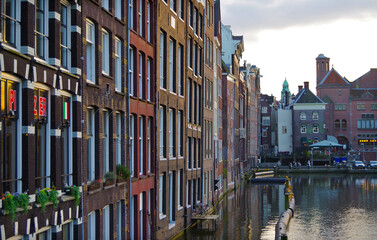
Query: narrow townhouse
[
  {"x": 40, "y": 119},
  {"x": 104, "y": 161}
]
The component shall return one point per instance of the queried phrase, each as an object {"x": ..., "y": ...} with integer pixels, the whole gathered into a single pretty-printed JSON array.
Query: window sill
[
  {"x": 163, "y": 158},
  {"x": 171, "y": 225},
  {"x": 91, "y": 84},
  {"x": 162, "y": 216},
  {"x": 106, "y": 75},
  {"x": 119, "y": 92},
  {"x": 180, "y": 208},
  {"x": 121, "y": 21}
]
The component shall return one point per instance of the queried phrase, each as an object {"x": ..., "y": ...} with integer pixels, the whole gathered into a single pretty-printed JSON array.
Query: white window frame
[
  {"x": 141, "y": 78},
  {"x": 118, "y": 64},
  {"x": 90, "y": 52},
  {"x": 315, "y": 128},
  {"x": 70, "y": 141},
  {"x": 149, "y": 143},
  {"x": 131, "y": 71},
  {"x": 92, "y": 225},
  {"x": 118, "y": 9},
  {"x": 149, "y": 21},
  {"x": 91, "y": 144},
  {"x": 105, "y": 52},
  {"x": 105, "y": 142},
  {"x": 106, "y": 5},
  {"x": 180, "y": 70},
  {"x": 162, "y": 60},
  {"x": 15, "y": 26},
  {"x": 171, "y": 132},
  {"x": 118, "y": 140},
  {"x": 171, "y": 198},
  {"x": 162, "y": 131},
  {"x": 106, "y": 222},
  {"x": 119, "y": 226},
  {"x": 315, "y": 115},
  {"x": 44, "y": 33},
  {"x": 66, "y": 47},
  {"x": 141, "y": 20},
  {"x": 132, "y": 144},
  {"x": 302, "y": 115},
  {"x": 180, "y": 133},
  {"x": 171, "y": 65},
  {"x": 303, "y": 129},
  {"x": 131, "y": 14},
  {"x": 149, "y": 82},
  {"x": 141, "y": 145}
]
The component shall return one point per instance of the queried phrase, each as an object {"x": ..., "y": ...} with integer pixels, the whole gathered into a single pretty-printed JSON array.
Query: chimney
[
  {"x": 299, "y": 88},
  {"x": 306, "y": 85}
]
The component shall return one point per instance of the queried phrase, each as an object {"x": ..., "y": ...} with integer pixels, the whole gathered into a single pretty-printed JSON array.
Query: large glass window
[
  {"x": 92, "y": 226},
  {"x": 41, "y": 28},
  {"x": 163, "y": 60},
  {"x": 149, "y": 19},
  {"x": 131, "y": 72},
  {"x": 172, "y": 197},
  {"x": 171, "y": 132},
  {"x": 162, "y": 132},
  {"x": 10, "y": 136},
  {"x": 141, "y": 21},
  {"x": 132, "y": 144},
  {"x": 180, "y": 133},
  {"x": 91, "y": 144},
  {"x": 66, "y": 131},
  {"x": 105, "y": 52},
  {"x": 149, "y": 81},
  {"x": 65, "y": 37},
  {"x": 90, "y": 52},
  {"x": 118, "y": 140},
  {"x": 106, "y": 223},
  {"x": 106, "y": 5},
  {"x": 118, "y": 9},
  {"x": 68, "y": 231},
  {"x": 10, "y": 21},
  {"x": 149, "y": 150},
  {"x": 141, "y": 145},
  {"x": 119, "y": 226},
  {"x": 131, "y": 14},
  {"x": 141, "y": 78},
  {"x": 118, "y": 65},
  {"x": 42, "y": 164},
  {"x": 181, "y": 9},
  {"x": 105, "y": 142},
  {"x": 180, "y": 70},
  {"x": 172, "y": 63}
]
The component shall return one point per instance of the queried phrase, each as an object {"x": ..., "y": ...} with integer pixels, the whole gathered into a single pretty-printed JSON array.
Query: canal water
[{"x": 328, "y": 206}]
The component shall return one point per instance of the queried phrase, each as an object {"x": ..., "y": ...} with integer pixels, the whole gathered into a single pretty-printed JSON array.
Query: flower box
[{"x": 94, "y": 185}]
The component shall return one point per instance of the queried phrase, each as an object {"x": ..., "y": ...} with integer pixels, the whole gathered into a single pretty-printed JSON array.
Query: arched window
[
  {"x": 344, "y": 124},
  {"x": 337, "y": 124}
]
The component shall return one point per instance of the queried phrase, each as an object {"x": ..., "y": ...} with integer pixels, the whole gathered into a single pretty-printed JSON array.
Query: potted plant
[
  {"x": 22, "y": 200},
  {"x": 109, "y": 178},
  {"x": 10, "y": 205},
  {"x": 122, "y": 172},
  {"x": 53, "y": 196},
  {"x": 42, "y": 197},
  {"x": 75, "y": 192},
  {"x": 94, "y": 185}
]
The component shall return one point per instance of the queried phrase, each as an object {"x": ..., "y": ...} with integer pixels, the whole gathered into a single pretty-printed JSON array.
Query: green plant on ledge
[
  {"x": 75, "y": 192},
  {"x": 22, "y": 200},
  {"x": 42, "y": 197},
  {"x": 110, "y": 176},
  {"x": 53, "y": 196},
  {"x": 10, "y": 205},
  {"x": 123, "y": 172}
]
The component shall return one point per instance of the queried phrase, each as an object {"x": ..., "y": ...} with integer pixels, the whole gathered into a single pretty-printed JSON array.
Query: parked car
[
  {"x": 372, "y": 164},
  {"x": 358, "y": 165}
]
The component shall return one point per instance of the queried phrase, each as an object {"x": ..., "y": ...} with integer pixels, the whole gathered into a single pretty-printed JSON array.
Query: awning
[{"x": 326, "y": 143}]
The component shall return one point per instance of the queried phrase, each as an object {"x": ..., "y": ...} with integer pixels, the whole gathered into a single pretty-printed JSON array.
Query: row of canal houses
[{"x": 91, "y": 85}]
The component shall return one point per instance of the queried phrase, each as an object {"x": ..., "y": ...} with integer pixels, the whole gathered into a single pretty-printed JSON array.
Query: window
[
  {"x": 190, "y": 10},
  {"x": 67, "y": 231},
  {"x": 373, "y": 106},
  {"x": 200, "y": 61},
  {"x": 105, "y": 143},
  {"x": 264, "y": 109},
  {"x": 173, "y": 5},
  {"x": 266, "y": 121},
  {"x": 303, "y": 129},
  {"x": 131, "y": 14},
  {"x": 188, "y": 193},
  {"x": 105, "y": 52},
  {"x": 149, "y": 136},
  {"x": 118, "y": 139},
  {"x": 180, "y": 70},
  {"x": 141, "y": 219},
  {"x": 361, "y": 106},
  {"x": 42, "y": 143},
  {"x": 163, "y": 60},
  {"x": 172, "y": 63},
  {"x": 344, "y": 124},
  {"x": 189, "y": 152},
  {"x": 141, "y": 145},
  {"x": 132, "y": 144},
  {"x": 65, "y": 37},
  {"x": 200, "y": 19},
  {"x": 90, "y": 52},
  {"x": 41, "y": 28},
  {"x": 141, "y": 78},
  {"x": 315, "y": 116},
  {"x": 189, "y": 52},
  {"x": 106, "y": 223},
  {"x": 105, "y": 4},
  {"x": 149, "y": 223},
  {"x": 162, "y": 132},
  {"x": 66, "y": 135},
  {"x": 10, "y": 135},
  {"x": 284, "y": 129},
  {"x": 195, "y": 103},
  {"x": 340, "y": 107},
  {"x": 195, "y": 58},
  {"x": 264, "y": 132},
  {"x": 149, "y": 82},
  {"x": 133, "y": 216},
  {"x": 162, "y": 195},
  {"x": 194, "y": 155},
  {"x": 195, "y": 21},
  {"x": 92, "y": 228},
  {"x": 180, "y": 190},
  {"x": 141, "y": 21},
  {"x": 182, "y": 9},
  {"x": 171, "y": 132},
  {"x": 119, "y": 226},
  {"x": 180, "y": 133},
  {"x": 315, "y": 128},
  {"x": 118, "y": 9},
  {"x": 118, "y": 65},
  {"x": 131, "y": 72},
  {"x": 172, "y": 197},
  {"x": 189, "y": 100},
  {"x": 91, "y": 144},
  {"x": 149, "y": 17},
  {"x": 302, "y": 115},
  {"x": 10, "y": 21}
]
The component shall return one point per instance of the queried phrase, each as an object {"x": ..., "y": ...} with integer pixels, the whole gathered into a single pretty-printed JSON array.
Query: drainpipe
[
  {"x": 82, "y": 123},
  {"x": 202, "y": 103},
  {"x": 128, "y": 114}
]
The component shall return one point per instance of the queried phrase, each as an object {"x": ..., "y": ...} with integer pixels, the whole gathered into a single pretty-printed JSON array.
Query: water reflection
[
  {"x": 249, "y": 213},
  {"x": 334, "y": 207}
]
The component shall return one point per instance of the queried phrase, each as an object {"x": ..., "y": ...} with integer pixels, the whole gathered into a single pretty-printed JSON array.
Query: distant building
[
  {"x": 351, "y": 106},
  {"x": 268, "y": 126}
]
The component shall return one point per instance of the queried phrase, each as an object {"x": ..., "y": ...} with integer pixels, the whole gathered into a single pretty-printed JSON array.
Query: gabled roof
[
  {"x": 306, "y": 96},
  {"x": 333, "y": 77},
  {"x": 368, "y": 80}
]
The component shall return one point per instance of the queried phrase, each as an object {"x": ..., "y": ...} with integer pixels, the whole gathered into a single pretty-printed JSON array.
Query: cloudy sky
[{"x": 283, "y": 37}]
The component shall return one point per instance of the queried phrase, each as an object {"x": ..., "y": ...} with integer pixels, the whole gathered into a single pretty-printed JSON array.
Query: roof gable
[
  {"x": 333, "y": 77},
  {"x": 306, "y": 96},
  {"x": 368, "y": 80}
]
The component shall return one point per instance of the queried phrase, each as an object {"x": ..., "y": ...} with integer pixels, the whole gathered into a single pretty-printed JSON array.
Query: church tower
[{"x": 322, "y": 67}]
